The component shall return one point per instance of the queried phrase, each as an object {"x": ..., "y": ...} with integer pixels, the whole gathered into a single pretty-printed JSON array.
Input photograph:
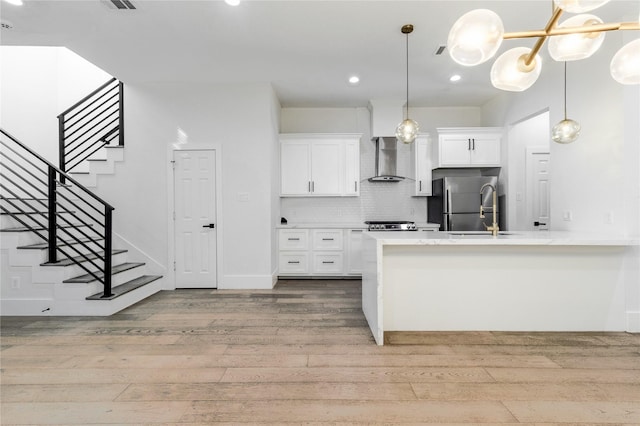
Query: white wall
[
  {"x": 377, "y": 201},
  {"x": 37, "y": 84},
  {"x": 239, "y": 119},
  {"x": 597, "y": 176}
]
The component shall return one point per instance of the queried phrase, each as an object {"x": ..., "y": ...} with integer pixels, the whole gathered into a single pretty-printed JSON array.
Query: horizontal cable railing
[
  {"x": 73, "y": 221},
  {"x": 95, "y": 121}
]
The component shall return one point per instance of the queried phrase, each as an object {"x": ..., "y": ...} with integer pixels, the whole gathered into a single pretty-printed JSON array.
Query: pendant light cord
[
  {"x": 565, "y": 90},
  {"x": 407, "y": 45}
]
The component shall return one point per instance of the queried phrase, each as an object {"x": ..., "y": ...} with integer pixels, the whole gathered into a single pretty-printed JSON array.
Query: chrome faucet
[{"x": 494, "y": 227}]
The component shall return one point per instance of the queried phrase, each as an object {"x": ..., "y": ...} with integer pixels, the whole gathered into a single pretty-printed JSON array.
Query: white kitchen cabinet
[
  {"x": 354, "y": 251},
  {"x": 327, "y": 239},
  {"x": 319, "y": 165},
  {"x": 421, "y": 166},
  {"x": 335, "y": 252},
  {"x": 352, "y": 166},
  {"x": 327, "y": 263},
  {"x": 468, "y": 147},
  {"x": 293, "y": 256}
]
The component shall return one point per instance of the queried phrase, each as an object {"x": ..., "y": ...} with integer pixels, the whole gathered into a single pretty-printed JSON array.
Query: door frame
[{"x": 191, "y": 146}]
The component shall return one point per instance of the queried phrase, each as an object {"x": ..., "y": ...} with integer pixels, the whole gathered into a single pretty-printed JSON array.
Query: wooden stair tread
[
  {"x": 126, "y": 287},
  {"x": 87, "y": 278},
  {"x": 45, "y": 245},
  {"x": 77, "y": 259},
  {"x": 23, "y": 229}
]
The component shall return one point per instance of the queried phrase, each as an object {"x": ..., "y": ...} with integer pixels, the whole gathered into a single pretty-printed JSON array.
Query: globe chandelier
[{"x": 477, "y": 35}]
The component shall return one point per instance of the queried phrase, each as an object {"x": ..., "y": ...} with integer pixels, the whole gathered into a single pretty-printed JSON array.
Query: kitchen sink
[{"x": 479, "y": 234}]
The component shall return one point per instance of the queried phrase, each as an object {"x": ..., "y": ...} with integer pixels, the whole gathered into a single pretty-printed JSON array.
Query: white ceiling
[{"x": 306, "y": 49}]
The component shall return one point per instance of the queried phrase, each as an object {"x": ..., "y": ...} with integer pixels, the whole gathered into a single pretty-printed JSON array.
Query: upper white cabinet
[
  {"x": 468, "y": 147},
  {"x": 421, "y": 165},
  {"x": 319, "y": 165}
]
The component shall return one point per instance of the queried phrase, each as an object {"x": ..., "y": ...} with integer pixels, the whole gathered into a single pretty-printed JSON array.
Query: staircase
[
  {"x": 91, "y": 134},
  {"x": 57, "y": 243}
]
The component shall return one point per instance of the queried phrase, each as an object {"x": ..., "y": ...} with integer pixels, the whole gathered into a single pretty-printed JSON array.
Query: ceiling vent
[
  {"x": 440, "y": 50},
  {"x": 119, "y": 4}
]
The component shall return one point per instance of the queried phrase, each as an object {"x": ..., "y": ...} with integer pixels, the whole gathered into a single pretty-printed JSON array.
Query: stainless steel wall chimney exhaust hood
[
  {"x": 386, "y": 160},
  {"x": 385, "y": 116}
]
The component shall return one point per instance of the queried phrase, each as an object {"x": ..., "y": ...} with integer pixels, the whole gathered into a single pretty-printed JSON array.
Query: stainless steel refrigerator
[{"x": 455, "y": 203}]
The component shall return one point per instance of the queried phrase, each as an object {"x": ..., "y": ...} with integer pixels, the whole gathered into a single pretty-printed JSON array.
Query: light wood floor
[{"x": 302, "y": 353}]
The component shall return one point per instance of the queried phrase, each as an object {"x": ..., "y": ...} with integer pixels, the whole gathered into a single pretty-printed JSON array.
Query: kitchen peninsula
[{"x": 522, "y": 281}]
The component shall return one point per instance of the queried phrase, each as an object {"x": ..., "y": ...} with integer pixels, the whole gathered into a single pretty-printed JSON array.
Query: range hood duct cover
[{"x": 386, "y": 160}]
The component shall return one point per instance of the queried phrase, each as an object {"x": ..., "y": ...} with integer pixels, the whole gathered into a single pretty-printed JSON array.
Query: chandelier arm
[
  {"x": 550, "y": 25},
  {"x": 597, "y": 28}
]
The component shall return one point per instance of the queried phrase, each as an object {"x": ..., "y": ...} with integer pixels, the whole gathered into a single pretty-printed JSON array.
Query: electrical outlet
[
  {"x": 15, "y": 283},
  {"x": 567, "y": 215},
  {"x": 608, "y": 218}
]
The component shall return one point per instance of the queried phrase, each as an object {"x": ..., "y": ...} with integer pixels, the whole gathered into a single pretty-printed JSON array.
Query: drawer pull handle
[
  {"x": 327, "y": 261},
  {"x": 293, "y": 261},
  {"x": 293, "y": 239},
  {"x": 327, "y": 239}
]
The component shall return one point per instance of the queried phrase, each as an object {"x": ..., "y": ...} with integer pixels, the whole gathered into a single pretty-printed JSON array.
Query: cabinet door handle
[
  {"x": 468, "y": 144},
  {"x": 293, "y": 261},
  {"x": 309, "y": 186},
  {"x": 355, "y": 186},
  {"x": 327, "y": 261},
  {"x": 327, "y": 239},
  {"x": 313, "y": 186},
  {"x": 420, "y": 186},
  {"x": 293, "y": 239},
  {"x": 357, "y": 230},
  {"x": 474, "y": 143}
]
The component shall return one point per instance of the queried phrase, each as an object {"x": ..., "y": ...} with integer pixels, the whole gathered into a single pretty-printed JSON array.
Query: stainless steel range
[{"x": 390, "y": 225}]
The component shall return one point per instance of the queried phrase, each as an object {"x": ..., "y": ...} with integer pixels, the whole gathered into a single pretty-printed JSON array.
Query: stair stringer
[
  {"x": 87, "y": 175},
  {"x": 32, "y": 289}
]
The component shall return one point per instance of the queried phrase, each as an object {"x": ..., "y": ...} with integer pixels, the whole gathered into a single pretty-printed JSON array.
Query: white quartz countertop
[
  {"x": 557, "y": 238},
  {"x": 345, "y": 225}
]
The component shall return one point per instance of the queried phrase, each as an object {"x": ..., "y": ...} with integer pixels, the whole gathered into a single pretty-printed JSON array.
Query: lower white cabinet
[
  {"x": 354, "y": 251},
  {"x": 319, "y": 252}
]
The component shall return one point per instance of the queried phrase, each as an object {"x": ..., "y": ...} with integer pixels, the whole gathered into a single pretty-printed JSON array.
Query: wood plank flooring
[{"x": 302, "y": 354}]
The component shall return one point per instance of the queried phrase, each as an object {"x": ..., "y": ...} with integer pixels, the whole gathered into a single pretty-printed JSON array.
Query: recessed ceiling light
[
  {"x": 454, "y": 78},
  {"x": 232, "y": 2},
  {"x": 354, "y": 80},
  {"x": 15, "y": 2}
]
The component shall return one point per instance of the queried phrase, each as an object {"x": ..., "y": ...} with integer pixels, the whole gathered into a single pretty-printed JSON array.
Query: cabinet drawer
[
  {"x": 327, "y": 239},
  {"x": 328, "y": 263},
  {"x": 294, "y": 263},
  {"x": 294, "y": 239}
]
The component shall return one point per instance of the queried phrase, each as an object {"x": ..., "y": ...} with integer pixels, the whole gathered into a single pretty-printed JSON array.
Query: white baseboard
[
  {"x": 633, "y": 322},
  {"x": 247, "y": 282},
  {"x": 26, "y": 307}
]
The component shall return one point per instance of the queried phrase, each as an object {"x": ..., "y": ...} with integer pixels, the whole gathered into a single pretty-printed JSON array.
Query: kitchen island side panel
[{"x": 503, "y": 288}]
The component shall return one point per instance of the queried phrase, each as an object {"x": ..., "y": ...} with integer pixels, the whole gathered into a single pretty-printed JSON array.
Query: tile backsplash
[{"x": 377, "y": 201}]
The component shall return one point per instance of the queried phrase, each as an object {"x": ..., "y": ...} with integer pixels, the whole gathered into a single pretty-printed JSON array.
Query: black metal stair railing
[
  {"x": 93, "y": 122},
  {"x": 74, "y": 222}
]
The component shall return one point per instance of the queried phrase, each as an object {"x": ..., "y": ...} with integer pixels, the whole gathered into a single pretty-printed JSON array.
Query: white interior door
[
  {"x": 195, "y": 219},
  {"x": 538, "y": 188}
]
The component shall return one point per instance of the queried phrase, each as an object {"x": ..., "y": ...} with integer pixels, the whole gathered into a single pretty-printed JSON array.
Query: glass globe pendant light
[
  {"x": 579, "y": 6},
  {"x": 625, "y": 65},
  {"x": 567, "y": 130},
  {"x": 407, "y": 131},
  {"x": 511, "y": 72},
  {"x": 475, "y": 37},
  {"x": 572, "y": 47}
]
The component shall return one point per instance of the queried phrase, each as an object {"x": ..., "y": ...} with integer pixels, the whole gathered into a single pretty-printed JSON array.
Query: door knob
[{"x": 211, "y": 225}]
